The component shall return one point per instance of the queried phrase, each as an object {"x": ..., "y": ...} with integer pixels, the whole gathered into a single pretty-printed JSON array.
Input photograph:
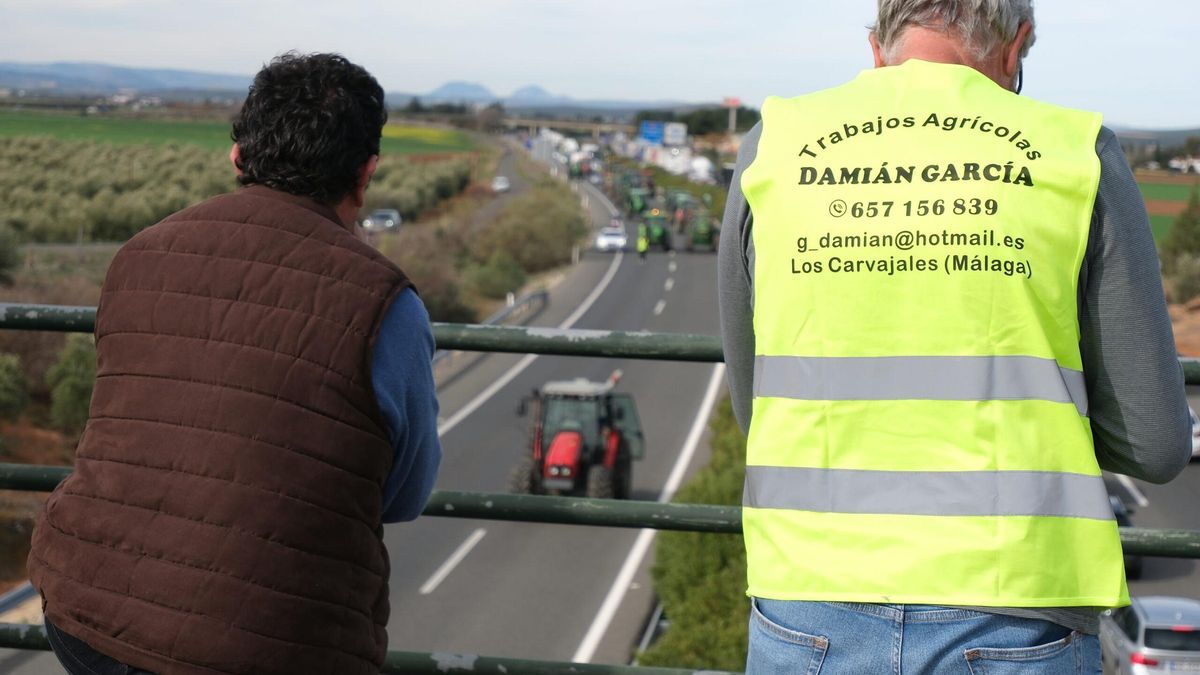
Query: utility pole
[{"x": 733, "y": 103}]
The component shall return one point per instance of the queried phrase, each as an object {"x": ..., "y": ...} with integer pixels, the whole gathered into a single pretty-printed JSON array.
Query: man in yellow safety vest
[{"x": 931, "y": 311}]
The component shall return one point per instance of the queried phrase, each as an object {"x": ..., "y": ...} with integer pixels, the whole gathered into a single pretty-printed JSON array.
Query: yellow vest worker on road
[
  {"x": 911, "y": 329},
  {"x": 643, "y": 242}
]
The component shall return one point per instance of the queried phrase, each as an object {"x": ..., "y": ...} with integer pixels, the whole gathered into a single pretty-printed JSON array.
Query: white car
[
  {"x": 1152, "y": 635},
  {"x": 611, "y": 238},
  {"x": 500, "y": 184}
]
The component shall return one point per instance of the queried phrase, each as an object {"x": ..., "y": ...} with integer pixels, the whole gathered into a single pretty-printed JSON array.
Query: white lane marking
[
  {"x": 669, "y": 284},
  {"x": 457, "y": 557},
  {"x": 658, "y": 309},
  {"x": 616, "y": 594},
  {"x": 521, "y": 365},
  {"x": 1127, "y": 483},
  {"x": 671, "y": 266}
]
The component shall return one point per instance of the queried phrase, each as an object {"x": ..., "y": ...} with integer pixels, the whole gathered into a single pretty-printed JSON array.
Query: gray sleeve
[
  {"x": 735, "y": 287},
  {"x": 1138, "y": 410}
]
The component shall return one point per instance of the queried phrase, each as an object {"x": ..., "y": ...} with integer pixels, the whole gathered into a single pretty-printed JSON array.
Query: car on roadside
[
  {"x": 612, "y": 238},
  {"x": 1153, "y": 634},
  {"x": 1195, "y": 433},
  {"x": 501, "y": 184},
  {"x": 382, "y": 220}
]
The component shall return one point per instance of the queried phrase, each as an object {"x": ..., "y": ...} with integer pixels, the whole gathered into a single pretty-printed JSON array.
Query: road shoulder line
[{"x": 612, "y": 601}]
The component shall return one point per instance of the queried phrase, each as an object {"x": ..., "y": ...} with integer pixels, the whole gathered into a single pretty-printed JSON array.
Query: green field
[
  {"x": 1165, "y": 191},
  {"x": 1159, "y": 225},
  {"x": 207, "y": 133}
]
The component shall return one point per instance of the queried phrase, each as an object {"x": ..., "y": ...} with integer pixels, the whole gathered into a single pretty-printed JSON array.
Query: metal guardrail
[
  {"x": 464, "y": 337},
  {"x": 26, "y": 636},
  {"x": 519, "y": 307},
  {"x": 612, "y": 513},
  {"x": 475, "y": 337},
  {"x": 528, "y": 508}
]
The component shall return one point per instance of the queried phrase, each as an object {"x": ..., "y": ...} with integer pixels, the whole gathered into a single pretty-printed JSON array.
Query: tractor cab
[
  {"x": 583, "y": 441},
  {"x": 636, "y": 200}
]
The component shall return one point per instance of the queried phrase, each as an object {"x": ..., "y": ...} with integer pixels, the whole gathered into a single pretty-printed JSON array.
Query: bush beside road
[{"x": 701, "y": 578}]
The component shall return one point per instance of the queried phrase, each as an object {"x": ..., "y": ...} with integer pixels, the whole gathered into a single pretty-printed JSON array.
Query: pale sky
[{"x": 1136, "y": 61}]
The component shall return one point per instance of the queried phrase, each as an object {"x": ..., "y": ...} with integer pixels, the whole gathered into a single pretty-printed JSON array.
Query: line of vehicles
[{"x": 669, "y": 219}]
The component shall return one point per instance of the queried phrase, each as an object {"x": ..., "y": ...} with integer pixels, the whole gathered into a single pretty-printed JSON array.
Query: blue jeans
[
  {"x": 830, "y": 638},
  {"x": 78, "y": 658}
]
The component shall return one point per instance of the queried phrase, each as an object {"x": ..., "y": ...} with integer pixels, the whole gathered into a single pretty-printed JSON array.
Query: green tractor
[
  {"x": 657, "y": 231},
  {"x": 583, "y": 441},
  {"x": 703, "y": 232},
  {"x": 636, "y": 200}
]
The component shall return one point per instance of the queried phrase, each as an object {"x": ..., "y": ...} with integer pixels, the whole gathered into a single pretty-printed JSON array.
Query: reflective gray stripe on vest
[
  {"x": 928, "y": 493},
  {"x": 935, "y": 378}
]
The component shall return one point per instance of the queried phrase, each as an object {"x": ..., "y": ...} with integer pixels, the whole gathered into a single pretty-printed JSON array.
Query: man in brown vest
[{"x": 263, "y": 403}]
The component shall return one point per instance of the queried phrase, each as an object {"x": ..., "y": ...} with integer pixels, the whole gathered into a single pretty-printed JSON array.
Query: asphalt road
[
  {"x": 1175, "y": 505},
  {"x": 530, "y": 590}
]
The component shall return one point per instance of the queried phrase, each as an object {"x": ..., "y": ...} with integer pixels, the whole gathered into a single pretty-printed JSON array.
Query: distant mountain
[
  {"x": 462, "y": 92},
  {"x": 98, "y": 78},
  {"x": 534, "y": 94}
]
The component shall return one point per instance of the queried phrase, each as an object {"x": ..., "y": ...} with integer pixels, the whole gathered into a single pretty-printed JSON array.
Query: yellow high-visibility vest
[{"x": 920, "y": 430}]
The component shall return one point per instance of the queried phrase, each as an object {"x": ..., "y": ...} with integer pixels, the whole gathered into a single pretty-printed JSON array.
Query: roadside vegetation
[
  {"x": 701, "y": 578},
  {"x": 459, "y": 263}
]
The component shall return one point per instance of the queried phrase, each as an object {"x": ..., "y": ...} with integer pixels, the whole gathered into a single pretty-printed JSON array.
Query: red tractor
[{"x": 583, "y": 440}]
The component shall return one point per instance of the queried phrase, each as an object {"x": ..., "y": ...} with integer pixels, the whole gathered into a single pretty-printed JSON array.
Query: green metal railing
[
  {"x": 26, "y": 636},
  {"x": 526, "y": 508}
]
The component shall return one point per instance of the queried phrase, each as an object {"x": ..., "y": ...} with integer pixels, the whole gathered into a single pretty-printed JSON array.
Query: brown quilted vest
[{"x": 224, "y": 513}]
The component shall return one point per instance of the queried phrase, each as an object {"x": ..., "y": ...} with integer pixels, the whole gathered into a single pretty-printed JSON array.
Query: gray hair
[{"x": 983, "y": 25}]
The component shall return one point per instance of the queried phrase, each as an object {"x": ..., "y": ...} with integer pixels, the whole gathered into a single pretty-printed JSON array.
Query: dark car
[
  {"x": 382, "y": 220},
  {"x": 1133, "y": 563}
]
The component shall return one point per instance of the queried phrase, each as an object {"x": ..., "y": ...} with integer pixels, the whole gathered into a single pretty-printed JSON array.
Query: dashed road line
[
  {"x": 658, "y": 309},
  {"x": 483, "y": 396},
  {"x": 670, "y": 283}
]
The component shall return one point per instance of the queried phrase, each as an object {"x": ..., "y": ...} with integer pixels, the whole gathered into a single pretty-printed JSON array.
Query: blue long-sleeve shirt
[{"x": 407, "y": 398}]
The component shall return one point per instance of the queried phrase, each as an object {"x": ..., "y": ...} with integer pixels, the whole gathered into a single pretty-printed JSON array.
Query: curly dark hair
[{"x": 309, "y": 123}]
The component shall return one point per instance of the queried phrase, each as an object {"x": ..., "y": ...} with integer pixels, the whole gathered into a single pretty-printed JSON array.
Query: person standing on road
[
  {"x": 643, "y": 242},
  {"x": 263, "y": 403},
  {"x": 943, "y": 316}
]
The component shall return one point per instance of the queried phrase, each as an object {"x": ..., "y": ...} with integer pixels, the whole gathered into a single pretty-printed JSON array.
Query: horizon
[{"x": 692, "y": 52}]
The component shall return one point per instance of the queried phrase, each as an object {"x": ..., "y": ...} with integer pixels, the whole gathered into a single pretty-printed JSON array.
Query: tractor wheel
[
  {"x": 521, "y": 481},
  {"x": 623, "y": 477},
  {"x": 600, "y": 482}
]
